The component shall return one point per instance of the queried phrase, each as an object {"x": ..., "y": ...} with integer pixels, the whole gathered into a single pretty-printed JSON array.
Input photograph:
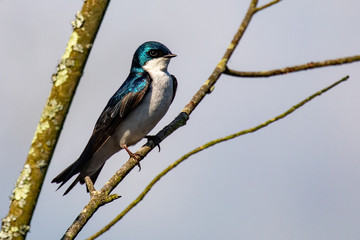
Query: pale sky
[{"x": 296, "y": 179}]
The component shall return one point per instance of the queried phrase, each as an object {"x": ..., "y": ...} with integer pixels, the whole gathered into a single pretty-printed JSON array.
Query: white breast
[{"x": 152, "y": 108}]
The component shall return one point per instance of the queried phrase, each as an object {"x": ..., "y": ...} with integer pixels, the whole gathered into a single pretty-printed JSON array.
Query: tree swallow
[{"x": 131, "y": 113}]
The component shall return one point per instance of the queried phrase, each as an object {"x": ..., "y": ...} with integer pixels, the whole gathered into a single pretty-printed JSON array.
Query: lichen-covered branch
[
  {"x": 296, "y": 68},
  {"x": 205, "y": 146},
  {"x": 65, "y": 80}
]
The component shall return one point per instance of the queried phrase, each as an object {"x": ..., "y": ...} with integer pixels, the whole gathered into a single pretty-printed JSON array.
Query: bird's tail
[
  {"x": 89, "y": 164},
  {"x": 65, "y": 175},
  {"x": 79, "y": 166}
]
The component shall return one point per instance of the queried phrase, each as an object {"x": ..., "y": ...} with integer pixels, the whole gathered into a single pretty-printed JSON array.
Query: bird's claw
[
  {"x": 136, "y": 156},
  {"x": 155, "y": 139}
]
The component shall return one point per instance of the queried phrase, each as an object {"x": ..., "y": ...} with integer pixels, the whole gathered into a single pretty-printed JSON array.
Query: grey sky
[{"x": 296, "y": 179}]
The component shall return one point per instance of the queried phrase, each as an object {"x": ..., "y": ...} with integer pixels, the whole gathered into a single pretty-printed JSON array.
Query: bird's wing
[
  {"x": 175, "y": 84},
  {"x": 120, "y": 104}
]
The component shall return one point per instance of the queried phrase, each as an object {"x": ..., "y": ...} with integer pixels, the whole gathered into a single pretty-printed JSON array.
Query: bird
[{"x": 130, "y": 114}]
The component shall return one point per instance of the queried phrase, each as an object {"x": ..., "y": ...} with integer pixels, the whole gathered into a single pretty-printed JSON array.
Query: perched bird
[{"x": 131, "y": 113}]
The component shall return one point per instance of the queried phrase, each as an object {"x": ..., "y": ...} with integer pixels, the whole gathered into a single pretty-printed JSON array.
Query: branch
[
  {"x": 65, "y": 80},
  {"x": 266, "y": 5},
  {"x": 179, "y": 121},
  {"x": 205, "y": 146},
  {"x": 296, "y": 68}
]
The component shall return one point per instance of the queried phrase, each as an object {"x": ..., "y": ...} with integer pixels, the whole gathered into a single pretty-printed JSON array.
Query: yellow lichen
[
  {"x": 62, "y": 73},
  {"x": 78, "y": 48},
  {"x": 222, "y": 64},
  {"x": 51, "y": 109},
  {"x": 72, "y": 41},
  {"x": 61, "y": 77},
  {"x": 31, "y": 151},
  {"x": 22, "y": 188},
  {"x": 9, "y": 232},
  {"x": 207, "y": 82},
  {"x": 78, "y": 21},
  {"x": 49, "y": 112},
  {"x": 41, "y": 164},
  {"x": 43, "y": 126}
]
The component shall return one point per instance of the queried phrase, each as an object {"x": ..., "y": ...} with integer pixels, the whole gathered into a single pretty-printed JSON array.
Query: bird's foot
[
  {"x": 133, "y": 155},
  {"x": 155, "y": 139}
]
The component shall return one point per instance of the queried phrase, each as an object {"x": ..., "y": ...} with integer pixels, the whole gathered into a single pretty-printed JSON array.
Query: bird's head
[{"x": 152, "y": 56}]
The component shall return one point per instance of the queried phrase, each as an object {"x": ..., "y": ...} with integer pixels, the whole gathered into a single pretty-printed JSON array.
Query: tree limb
[{"x": 65, "y": 80}]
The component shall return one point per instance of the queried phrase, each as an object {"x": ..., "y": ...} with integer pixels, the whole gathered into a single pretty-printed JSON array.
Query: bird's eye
[{"x": 153, "y": 53}]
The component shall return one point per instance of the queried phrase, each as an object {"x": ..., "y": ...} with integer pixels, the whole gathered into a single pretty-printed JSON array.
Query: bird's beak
[{"x": 170, "y": 56}]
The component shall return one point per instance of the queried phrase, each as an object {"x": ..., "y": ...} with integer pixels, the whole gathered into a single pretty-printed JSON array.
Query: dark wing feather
[
  {"x": 118, "y": 107},
  {"x": 175, "y": 84}
]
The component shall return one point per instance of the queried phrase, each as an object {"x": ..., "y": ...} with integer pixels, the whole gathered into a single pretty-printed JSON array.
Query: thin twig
[
  {"x": 266, "y": 5},
  {"x": 205, "y": 146},
  {"x": 296, "y": 68},
  {"x": 90, "y": 186}
]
